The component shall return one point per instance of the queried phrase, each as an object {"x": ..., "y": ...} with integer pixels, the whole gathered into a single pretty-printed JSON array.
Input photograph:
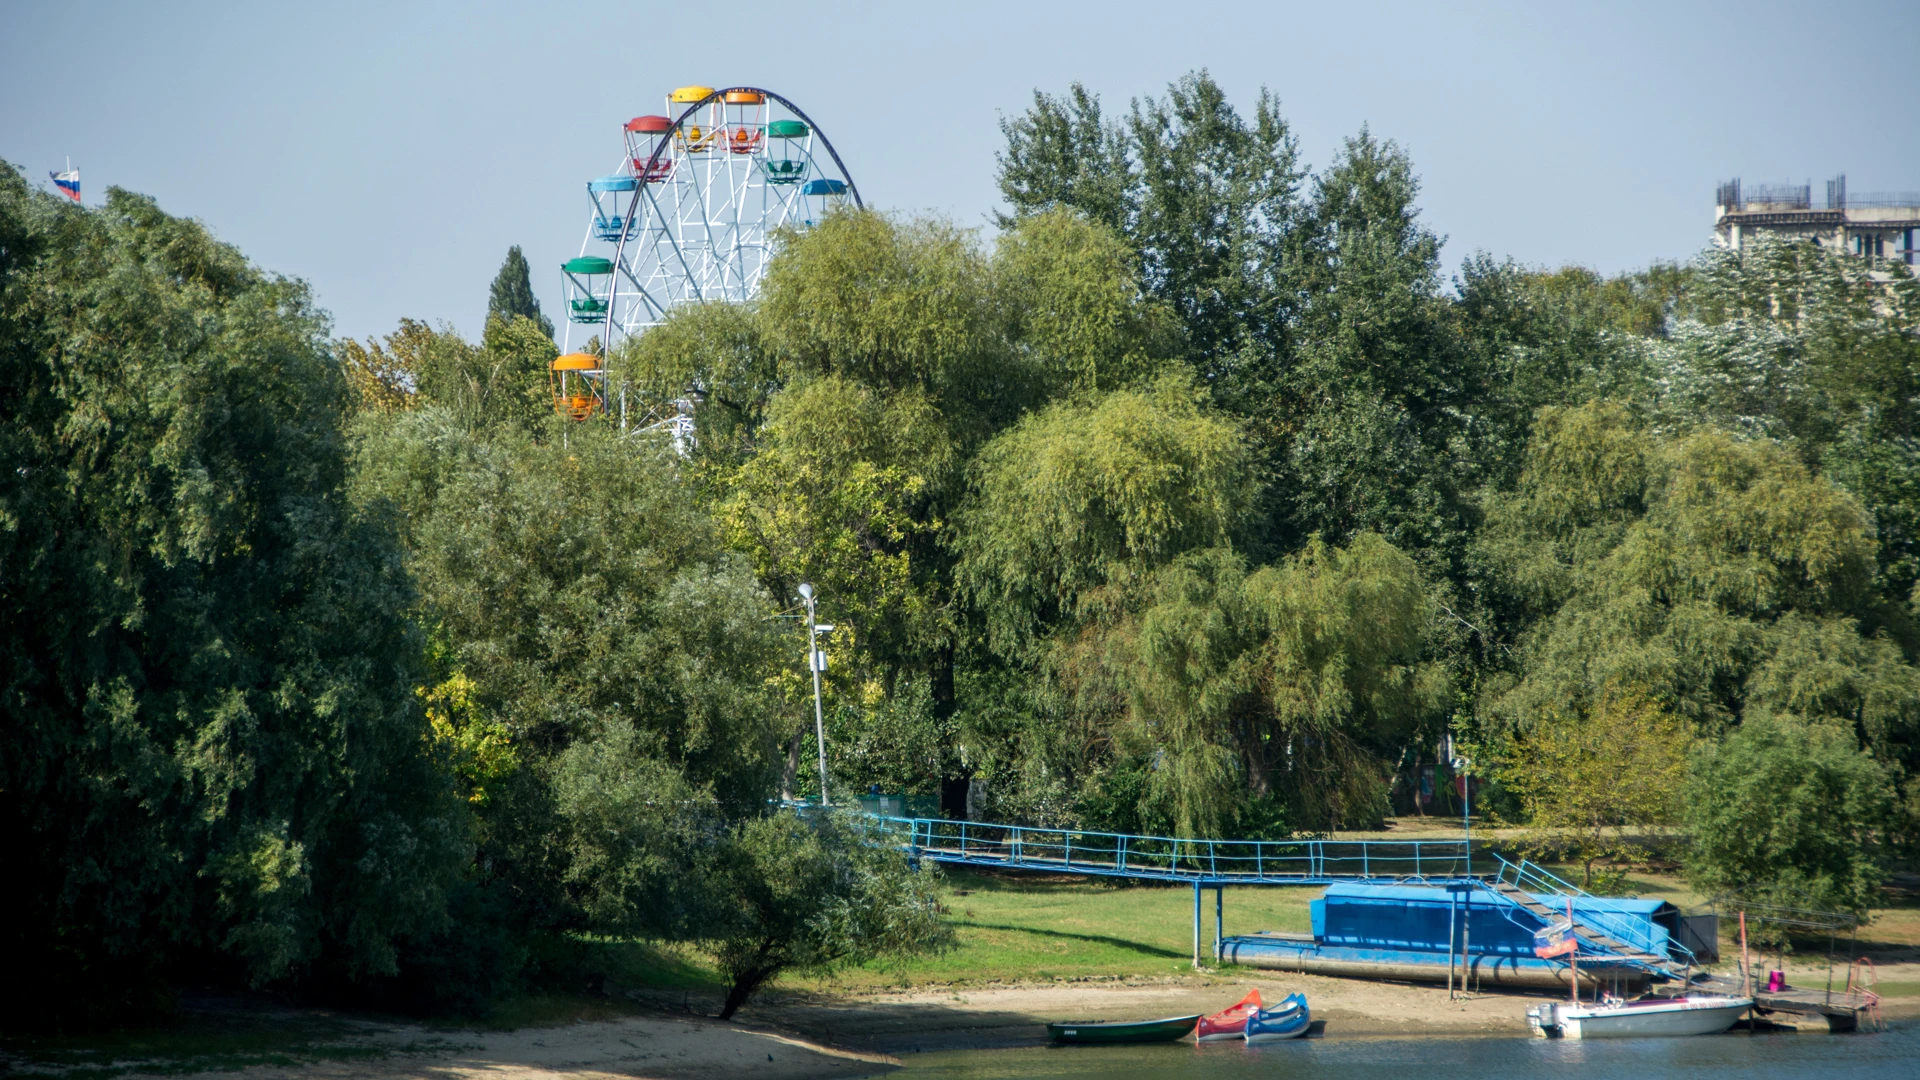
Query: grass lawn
[{"x": 1030, "y": 927}]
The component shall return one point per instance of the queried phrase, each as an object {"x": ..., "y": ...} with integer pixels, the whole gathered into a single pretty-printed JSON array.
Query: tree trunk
[
  {"x": 792, "y": 771},
  {"x": 953, "y": 796},
  {"x": 748, "y": 978},
  {"x": 743, "y": 987},
  {"x": 953, "y": 789},
  {"x": 1258, "y": 783}
]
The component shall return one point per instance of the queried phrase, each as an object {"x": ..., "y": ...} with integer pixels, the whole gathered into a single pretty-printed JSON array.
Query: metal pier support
[
  {"x": 1196, "y": 924},
  {"x": 1219, "y": 922}
]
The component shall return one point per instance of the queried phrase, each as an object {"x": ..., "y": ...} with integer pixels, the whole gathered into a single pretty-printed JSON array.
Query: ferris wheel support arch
[{"x": 666, "y": 140}]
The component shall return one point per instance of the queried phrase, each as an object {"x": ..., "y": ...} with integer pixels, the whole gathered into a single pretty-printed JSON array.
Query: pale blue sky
[{"x": 390, "y": 152}]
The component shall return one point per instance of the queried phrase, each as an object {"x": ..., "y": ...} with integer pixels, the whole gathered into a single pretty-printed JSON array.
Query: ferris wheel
[{"x": 691, "y": 213}]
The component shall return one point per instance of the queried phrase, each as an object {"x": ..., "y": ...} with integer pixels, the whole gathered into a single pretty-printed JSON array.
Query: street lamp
[
  {"x": 1462, "y": 766},
  {"x": 817, "y": 663}
]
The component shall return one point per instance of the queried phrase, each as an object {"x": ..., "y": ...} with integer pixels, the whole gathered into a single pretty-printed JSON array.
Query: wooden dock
[{"x": 1844, "y": 1010}]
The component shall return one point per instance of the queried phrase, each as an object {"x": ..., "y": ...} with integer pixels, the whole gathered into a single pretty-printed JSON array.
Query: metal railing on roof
[
  {"x": 1635, "y": 933},
  {"x": 1880, "y": 200}
]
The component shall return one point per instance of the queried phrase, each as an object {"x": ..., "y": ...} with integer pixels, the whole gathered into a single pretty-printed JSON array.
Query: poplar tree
[{"x": 512, "y": 294}]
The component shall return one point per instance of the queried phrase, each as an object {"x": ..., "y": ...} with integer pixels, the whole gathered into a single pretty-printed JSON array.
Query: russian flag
[{"x": 68, "y": 182}]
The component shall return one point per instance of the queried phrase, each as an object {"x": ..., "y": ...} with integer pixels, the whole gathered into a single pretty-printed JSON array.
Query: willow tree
[
  {"x": 1076, "y": 505},
  {"x": 1713, "y": 578},
  {"x": 213, "y": 757},
  {"x": 1284, "y": 687},
  {"x": 1075, "y": 307},
  {"x": 1098, "y": 547},
  {"x": 1717, "y": 574}
]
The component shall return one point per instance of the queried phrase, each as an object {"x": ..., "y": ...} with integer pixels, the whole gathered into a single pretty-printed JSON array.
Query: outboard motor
[{"x": 1545, "y": 1020}]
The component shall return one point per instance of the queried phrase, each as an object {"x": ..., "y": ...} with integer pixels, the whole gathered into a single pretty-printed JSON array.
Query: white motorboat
[{"x": 1614, "y": 1019}]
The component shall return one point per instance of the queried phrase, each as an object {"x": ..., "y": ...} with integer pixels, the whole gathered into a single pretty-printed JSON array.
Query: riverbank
[
  {"x": 1030, "y": 949},
  {"x": 816, "y": 1035}
]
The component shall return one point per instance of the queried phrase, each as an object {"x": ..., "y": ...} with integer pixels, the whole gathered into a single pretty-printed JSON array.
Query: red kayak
[{"x": 1228, "y": 1023}]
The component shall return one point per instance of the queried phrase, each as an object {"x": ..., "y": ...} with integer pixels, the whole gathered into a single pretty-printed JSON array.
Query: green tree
[
  {"x": 906, "y": 317},
  {"x": 1792, "y": 342},
  {"x": 816, "y": 896},
  {"x": 768, "y": 894},
  {"x": 1285, "y": 685},
  {"x": 1063, "y": 154},
  {"x": 1206, "y": 198},
  {"x": 1708, "y": 570},
  {"x": 837, "y": 496},
  {"x": 1370, "y": 426},
  {"x": 213, "y": 757},
  {"x": 511, "y": 296},
  {"x": 576, "y": 593},
  {"x": 896, "y": 307},
  {"x": 1789, "y": 812},
  {"x": 504, "y": 381},
  {"x": 1074, "y": 506},
  {"x": 1582, "y": 780},
  {"x": 715, "y": 354},
  {"x": 1074, "y": 303}
]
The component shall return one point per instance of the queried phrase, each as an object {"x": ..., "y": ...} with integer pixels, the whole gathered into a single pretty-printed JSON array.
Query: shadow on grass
[{"x": 1095, "y": 939}]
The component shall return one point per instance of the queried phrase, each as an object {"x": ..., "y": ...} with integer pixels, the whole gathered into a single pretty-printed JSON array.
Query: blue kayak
[{"x": 1289, "y": 1019}]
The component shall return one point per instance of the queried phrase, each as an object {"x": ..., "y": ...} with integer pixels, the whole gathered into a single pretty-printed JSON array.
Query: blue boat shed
[{"x": 1426, "y": 933}]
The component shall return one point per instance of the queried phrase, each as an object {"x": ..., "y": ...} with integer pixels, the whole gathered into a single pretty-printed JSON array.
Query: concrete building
[{"x": 1876, "y": 225}]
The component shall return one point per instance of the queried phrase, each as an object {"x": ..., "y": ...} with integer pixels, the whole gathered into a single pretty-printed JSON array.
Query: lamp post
[
  {"x": 1462, "y": 767},
  {"x": 816, "y": 662}
]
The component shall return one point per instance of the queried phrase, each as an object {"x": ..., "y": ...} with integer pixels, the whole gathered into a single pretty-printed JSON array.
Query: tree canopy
[
  {"x": 1192, "y": 499},
  {"x": 213, "y": 748},
  {"x": 511, "y": 296}
]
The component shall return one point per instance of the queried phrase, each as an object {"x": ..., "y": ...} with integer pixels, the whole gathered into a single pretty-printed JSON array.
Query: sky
[{"x": 388, "y": 153}]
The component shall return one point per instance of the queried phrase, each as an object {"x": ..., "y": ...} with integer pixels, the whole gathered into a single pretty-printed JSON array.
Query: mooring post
[{"x": 1196, "y": 923}]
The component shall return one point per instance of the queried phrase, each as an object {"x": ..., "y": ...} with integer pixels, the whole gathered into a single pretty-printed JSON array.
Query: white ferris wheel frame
[{"x": 703, "y": 228}]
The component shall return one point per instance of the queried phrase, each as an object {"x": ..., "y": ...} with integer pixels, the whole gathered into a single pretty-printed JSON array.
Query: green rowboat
[{"x": 1122, "y": 1031}]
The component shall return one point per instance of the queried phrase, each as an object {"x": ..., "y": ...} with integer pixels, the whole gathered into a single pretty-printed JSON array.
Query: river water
[{"x": 1888, "y": 1055}]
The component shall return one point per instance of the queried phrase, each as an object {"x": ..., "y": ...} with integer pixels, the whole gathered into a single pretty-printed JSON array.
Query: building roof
[{"x": 1433, "y": 894}]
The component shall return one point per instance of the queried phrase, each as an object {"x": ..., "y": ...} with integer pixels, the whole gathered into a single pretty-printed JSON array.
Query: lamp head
[{"x": 806, "y": 591}]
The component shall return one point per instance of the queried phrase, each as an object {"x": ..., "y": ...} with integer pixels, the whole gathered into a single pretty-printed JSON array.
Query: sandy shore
[
  {"x": 832, "y": 1036},
  {"x": 644, "y": 1046},
  {"x": 984, "y": 1016}
]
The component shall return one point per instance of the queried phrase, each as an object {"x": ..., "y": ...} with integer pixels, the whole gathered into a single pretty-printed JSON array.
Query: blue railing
[
  {"x": 1170, "y": 858},
  {"x": 1635, "y": 933}
]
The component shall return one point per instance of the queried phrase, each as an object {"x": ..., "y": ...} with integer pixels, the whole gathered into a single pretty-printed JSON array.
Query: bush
[{"x": 816, "y": 895}]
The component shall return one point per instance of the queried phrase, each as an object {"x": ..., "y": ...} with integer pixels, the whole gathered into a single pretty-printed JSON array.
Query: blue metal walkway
[{"x": 1523, "y": 890}]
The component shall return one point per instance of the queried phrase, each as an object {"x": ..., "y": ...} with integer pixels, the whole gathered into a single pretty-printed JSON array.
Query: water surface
[{"x": 1890, "y": 1055}]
